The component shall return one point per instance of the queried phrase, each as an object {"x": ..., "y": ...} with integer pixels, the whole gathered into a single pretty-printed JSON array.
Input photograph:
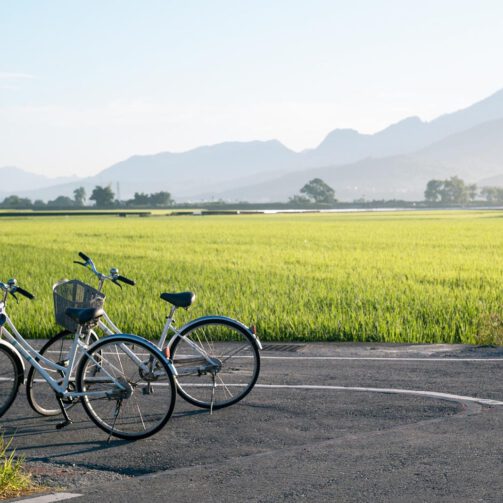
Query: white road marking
[
  {"x": 49, "y": 498},
  {"x": 378, "y": 358},
  {"x": 370, "y": 358},
  {"x": 432, "y": 394},
  {"x": 396, "y": 391}
]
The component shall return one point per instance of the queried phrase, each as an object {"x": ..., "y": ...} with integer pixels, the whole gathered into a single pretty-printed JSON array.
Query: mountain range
[{"x": 394, "y": 163}]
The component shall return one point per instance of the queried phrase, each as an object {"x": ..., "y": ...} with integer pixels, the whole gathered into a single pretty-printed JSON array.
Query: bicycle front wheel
[
  {"x": 10, "y": 379},
  {"x": 217, "y": 362},
  {"x": 40, "y": 395},
  {"x": 128, "y": 385}
]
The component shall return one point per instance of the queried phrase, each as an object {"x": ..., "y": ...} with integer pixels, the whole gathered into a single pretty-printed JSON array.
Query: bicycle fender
[
  {"x": 17, "y": 357},
  {"x": 225, "y": 319}
]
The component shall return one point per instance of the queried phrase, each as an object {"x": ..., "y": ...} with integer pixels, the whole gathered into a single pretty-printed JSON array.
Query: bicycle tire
[
  {"x": 10, "y": 378},
  {"x": 39, "y": 393},
  {"x": 151, "y": 396},
  {"x": 237, "y": 374}
]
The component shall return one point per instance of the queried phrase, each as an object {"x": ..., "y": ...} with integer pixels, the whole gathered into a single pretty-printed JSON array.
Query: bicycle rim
[
  {"x": 9, "y": 379},
  {"x": 142, "y": 402},
  {"x": 232, "y": 372}
]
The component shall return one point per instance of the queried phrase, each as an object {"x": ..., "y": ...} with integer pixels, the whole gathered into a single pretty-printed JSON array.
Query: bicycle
[
  {"x": 216, "y": 359},
  {"x": 114, "y": 378}
]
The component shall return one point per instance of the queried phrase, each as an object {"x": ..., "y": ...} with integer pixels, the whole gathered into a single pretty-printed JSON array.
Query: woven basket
[{"x": 74, "y": 293}]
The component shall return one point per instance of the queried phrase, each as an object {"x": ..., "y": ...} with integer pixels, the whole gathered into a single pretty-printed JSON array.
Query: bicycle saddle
[
  {"x": 84, "y": 315},
  {"x": 183, "y": 299}
]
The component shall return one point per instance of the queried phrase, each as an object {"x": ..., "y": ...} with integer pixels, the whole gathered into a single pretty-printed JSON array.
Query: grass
[
  {"x": 396, "y": 277},
  {"x": 14, "y": 481}
]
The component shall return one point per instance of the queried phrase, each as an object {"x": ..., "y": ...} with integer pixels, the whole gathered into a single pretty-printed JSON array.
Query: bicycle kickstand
[
  {"x": 67, "y": 420},
  {"x": 118, "y": 406}
]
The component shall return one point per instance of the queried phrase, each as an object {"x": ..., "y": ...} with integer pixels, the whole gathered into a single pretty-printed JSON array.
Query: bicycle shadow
[
  {"x": 85, "y": 447},
  {"x": 46, "y": 427}
]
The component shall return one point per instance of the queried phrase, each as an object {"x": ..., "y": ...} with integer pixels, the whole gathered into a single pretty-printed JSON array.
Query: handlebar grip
[
  {"x": 126, "y": 280},
  {"x": 24, "y": 292},
  {"x": 83, "y": 256}
]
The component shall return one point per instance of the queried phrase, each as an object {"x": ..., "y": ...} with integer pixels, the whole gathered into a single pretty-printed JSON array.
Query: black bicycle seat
[
  {"x": 183, "y": 299},
  {"x": 84, "y": 315}
]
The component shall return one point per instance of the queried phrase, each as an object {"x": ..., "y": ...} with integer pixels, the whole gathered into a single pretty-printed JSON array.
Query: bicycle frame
[
  {"x": 32, "y": 356},
  {"x": 109, "y": 328}
]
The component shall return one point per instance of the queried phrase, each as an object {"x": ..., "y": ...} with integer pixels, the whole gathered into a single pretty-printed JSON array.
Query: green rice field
[{"x": 416, "y": 277}]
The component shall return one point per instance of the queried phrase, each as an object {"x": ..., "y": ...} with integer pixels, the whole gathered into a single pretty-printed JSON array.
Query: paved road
[{"x": 314, "y": 429}]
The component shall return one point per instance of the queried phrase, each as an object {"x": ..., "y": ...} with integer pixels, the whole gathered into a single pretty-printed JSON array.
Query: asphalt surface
[{"x": 301, "y": 435}]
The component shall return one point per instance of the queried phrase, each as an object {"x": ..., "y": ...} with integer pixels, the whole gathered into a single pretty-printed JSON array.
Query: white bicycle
[
  {"x": 215, "y": 359},
  {"x": 125, "y": 384}
]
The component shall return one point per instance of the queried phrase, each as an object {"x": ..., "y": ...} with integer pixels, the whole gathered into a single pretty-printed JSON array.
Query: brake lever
[
  {"x": 80, "y": 263},
  {"x": 14, "y": 295},
  {"x": 115, "y": 282}
]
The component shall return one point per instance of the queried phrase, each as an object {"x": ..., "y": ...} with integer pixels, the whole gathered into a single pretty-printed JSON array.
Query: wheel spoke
[
  {"x": 224, "y": 344},
  {"x": 41, "y": 396},
  {"x": 142, "y": 412}
]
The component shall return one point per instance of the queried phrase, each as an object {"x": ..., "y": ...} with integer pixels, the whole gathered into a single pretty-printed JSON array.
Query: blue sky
[{"x": 84, "y": 84}]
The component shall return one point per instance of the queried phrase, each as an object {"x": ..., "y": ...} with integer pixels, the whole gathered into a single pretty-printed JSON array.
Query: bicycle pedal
[{"x": 61, "y": 425}]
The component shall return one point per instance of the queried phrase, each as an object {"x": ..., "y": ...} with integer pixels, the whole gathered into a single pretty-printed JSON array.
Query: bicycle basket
[{"x": 73, "y": 293}]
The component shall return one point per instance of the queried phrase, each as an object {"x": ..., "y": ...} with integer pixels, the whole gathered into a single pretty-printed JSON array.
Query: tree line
[
  {"x": 315, "y": 192},
  {"x": 102, "y": 197},
  {"x": 450, "y": 191},
  {"x": 455, "y": 191}
]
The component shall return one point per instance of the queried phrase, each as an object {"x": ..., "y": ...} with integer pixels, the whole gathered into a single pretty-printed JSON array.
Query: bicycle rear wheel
[
  {"x": 129, "y": 385},
  {"x": 234, "y": 366},
  {"x": 10, "y": 379},
  {"x": 40, "y": 395}
]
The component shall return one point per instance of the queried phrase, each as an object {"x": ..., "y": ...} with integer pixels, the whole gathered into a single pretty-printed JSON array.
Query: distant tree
[
  {"x": 433, "y": 191},
  {"x": 318, "y": 191},
  {"x": 79, "y": 196},
  {"x": 299, "y": 200},
  {"x": 161, "y": 199},
  {"x": 472, "y": 191},
  {"x": 39, "y": 204},
  {"x": 61, "y": 202},
  {"x": 16, "y": 202},
  {"x": 103, "y": 197},
  {"x": 158, "y": 199},
  {"x": 455, "y": 191},
  {"x": 140, "y": 199},
  {"x": 451, "y": 191},
  {"x": 492, "y": 194}
]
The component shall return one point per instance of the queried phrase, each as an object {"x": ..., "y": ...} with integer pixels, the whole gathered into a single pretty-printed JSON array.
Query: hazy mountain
[
  {"x": 472, "y": 155},
  {"x": 493, "y": 181},
  {"x": 13, "y": 179},
  {"x": 394, "y": 162},
  {"x": 212, "y": 168},
  {"x": 217, "y": 170},
  {"x": 343, "y": 146}
]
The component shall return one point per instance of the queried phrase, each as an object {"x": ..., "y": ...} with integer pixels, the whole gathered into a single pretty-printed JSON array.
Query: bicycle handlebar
[
  {"x": 83, "y": 256},
  {"x": 126, "y": 280},
  {"x": 114, "y": 276},
  {"x": 12, "y": 288},
  {"x": 24, "y": 292}
]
